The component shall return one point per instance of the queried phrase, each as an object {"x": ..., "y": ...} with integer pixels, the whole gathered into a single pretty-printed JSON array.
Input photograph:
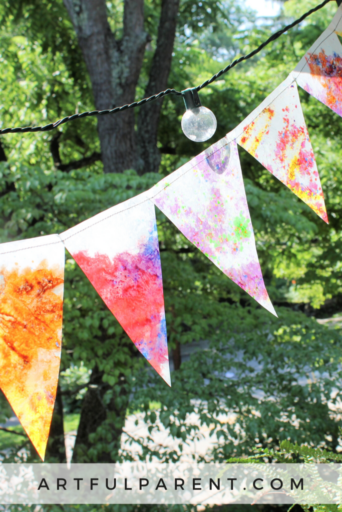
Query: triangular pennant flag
[
  {"x": 31, "y": 310},
  {"x": 206, "y": 200},
  {"x": 320, "y": 70},
  {"x": 119, "y": 253},
  {"x": 279, "y": 139}
]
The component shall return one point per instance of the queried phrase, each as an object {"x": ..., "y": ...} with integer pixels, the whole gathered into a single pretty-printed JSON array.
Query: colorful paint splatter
[
  {"x": 120, "y": 256},
  {"x": 279, "y": 139},
  {"x": 321, "y": 73},
  {"x": 31, "y": 310},
  {"x": 208, "y": 205}
]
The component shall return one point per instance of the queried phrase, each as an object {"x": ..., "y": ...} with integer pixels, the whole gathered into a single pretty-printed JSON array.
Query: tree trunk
[
  {"x": 149, "y": 114},
  {"x": 114, "y": 69},
  {"x": 94, "y": 414},
  {"x": 177, "y": 356},
  {"x": 56, "y": 445}
]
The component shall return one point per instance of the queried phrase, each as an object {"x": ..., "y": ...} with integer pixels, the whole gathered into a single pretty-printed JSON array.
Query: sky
[{"x": 264, "y": 7}]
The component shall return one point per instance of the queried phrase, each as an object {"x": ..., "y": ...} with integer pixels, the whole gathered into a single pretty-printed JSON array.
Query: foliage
[
  {"x": 288, "y": 453},
  {"x": 74, "y": 381}
]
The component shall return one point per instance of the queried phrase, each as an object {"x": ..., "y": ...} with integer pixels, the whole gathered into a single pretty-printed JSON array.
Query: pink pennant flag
[
  {"x": 31, "y": 310},
  {"x": 206, "y": 200},
  {"x": 276, "y": 135},
  {"x": 320, "y": 70},
  {"x": 119, "y": 253}
]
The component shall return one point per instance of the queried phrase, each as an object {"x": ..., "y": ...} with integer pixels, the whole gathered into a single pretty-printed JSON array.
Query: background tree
[
  {"x": 114, "y": 60},
  {"x": 52, "y": 181}
]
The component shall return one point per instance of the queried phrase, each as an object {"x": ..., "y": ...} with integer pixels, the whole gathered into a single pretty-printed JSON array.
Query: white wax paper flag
[
  {"x": 276, "y": 135},
  {"x": 206, "y": 200},
  {"x": 119, "y": 253},
  {"x": 320, "y": 70}
]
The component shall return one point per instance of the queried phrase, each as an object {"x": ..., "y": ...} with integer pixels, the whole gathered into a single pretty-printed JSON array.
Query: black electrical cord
[{"x": 52, "y": 126}]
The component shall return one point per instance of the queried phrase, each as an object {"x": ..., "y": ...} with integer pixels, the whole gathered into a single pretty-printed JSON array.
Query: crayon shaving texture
[
  {"x": 322, "y": 75},
  {"x": 31, "y": 309},
  {"x": 131, "y": 286},
  {"x": 279, "y": 139},
  {"x": 208, "y": 205}
]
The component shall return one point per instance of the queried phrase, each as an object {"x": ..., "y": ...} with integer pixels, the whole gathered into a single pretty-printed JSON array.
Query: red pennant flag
[{"x": 119, "y": 253}]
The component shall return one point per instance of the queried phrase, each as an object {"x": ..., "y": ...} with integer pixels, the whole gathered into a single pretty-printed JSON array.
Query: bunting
[
  {"x": 119, "y": 253},
  {"x": 320, "y": 70},
  {"x": 206, "y": 200},
  {"x": 278, "y": 138},
  {"x": 31, "y": 309},
  {"x": 118, "y": 249}
]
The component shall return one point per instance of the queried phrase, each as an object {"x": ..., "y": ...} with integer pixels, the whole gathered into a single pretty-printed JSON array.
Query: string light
[
  {"x": 198, "y": 123},
  {"x": 207, "y": 117}
]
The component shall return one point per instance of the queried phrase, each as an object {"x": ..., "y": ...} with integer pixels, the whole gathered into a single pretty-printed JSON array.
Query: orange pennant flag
[
  {"x": 31, "y": 309},
  {"x": 276, "y": 135}
]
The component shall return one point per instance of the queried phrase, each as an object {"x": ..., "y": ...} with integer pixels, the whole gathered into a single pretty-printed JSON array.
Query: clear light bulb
[{"x": 198, "y": 123}]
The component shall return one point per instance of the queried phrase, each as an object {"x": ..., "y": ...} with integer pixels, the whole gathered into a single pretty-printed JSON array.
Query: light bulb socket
[{"x": 191, "y": 99}]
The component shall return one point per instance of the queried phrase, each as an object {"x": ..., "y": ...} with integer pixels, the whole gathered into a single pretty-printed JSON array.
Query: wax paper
[
  {"x": 207, "y": 202},
  {"x": 320, "y": 70},
  {"x": 31, "y": 310},
  {"x": 279, "y": 139},
  {"x": 119, "y": 253}
]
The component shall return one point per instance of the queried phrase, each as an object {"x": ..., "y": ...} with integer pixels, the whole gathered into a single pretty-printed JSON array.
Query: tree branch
[
  {"x": 183, "y": 250},
  {"x": 12, "y": 432},
  {"x": 159, "y": 73},
  {"x": 82, "y": 162},
  {"x": 168, "y": 150},
  {"x": 54, "y": 149},
  {"x": 3, "y": 157},
  {"x": 76, "y": 164},
  {"x": 9, "y": 185}
]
